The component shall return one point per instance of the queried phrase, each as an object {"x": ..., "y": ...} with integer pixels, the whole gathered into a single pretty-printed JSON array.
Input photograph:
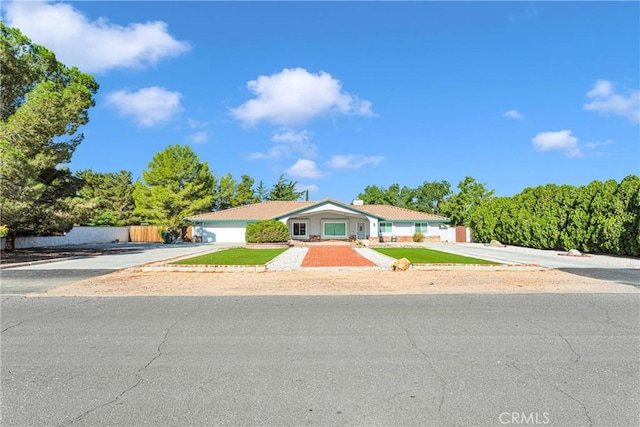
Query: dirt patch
[{"x": 135, "y": 283}]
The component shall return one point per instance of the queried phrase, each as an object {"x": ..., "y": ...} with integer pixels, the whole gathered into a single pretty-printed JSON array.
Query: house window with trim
[
  {"x": 385, "y": 227},
  {"x": 334, "y": 229},
  {"x": 421, "y": 227},
  {"x": 299, "y": 229}
]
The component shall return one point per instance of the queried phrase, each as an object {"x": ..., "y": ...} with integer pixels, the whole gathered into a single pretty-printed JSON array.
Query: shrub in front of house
[
  {"x": 418, "y": 237},
  {"x": 271, "y": 231}
]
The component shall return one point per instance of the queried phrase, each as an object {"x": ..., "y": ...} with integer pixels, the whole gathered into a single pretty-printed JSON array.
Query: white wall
[
  {"x": 76, "y": 236},
  {"x": 449, "y": 234}
]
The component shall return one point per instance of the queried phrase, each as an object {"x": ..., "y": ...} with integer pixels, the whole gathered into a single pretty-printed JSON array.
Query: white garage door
[{"x": 224, "y": 233}]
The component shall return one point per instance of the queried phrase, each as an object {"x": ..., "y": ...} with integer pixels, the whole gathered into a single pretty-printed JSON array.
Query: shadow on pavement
[
  {"x": 22, "y": 282},
  {"x": 624, "y": 276},
  {"x": 19, "y": 256}
]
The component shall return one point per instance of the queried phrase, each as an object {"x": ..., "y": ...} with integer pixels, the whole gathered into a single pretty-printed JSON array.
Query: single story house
[{"x": 327, "y": 219}]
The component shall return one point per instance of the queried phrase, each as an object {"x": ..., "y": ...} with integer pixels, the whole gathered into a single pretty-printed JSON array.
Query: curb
[
  {"x": 204, "y": 268},
  {"x": 479, "y": 267}
]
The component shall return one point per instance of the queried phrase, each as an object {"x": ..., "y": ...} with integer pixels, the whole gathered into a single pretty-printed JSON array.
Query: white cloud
[
  {"x": 560, "y": 141},
  {"x": 605, "y": 100},
  {"x": 288, "y": 144},
  {"x": 304, "y": 168},
  {"x": 598, "y": 143},
  {"x": 304, "y": 187},
  {"x": 294, "y": 96},
  {"x": 148, "y": 106},
  {"x": 291, "y": 136},
  {"x": 198, "y": 137},
  {"x": 513, "y": 114},
  {"x": 296, "y": 142},
  {"x": 195, "y": 124},
  {"x": 92, "y": 46},
  {"x": 352, "y": 161},
  {"x": 275, "y": 152}
]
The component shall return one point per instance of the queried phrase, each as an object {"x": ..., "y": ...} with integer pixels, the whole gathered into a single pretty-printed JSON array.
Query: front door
[{"x": 361, "y": 233}]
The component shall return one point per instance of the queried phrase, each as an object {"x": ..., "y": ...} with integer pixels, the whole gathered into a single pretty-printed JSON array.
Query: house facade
[{"x": 327, "y": 219}]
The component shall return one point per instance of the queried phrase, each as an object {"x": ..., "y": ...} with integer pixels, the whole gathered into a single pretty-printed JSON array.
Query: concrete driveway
[
  {"x": 42, "y": 277},
  {"x": 624, "y": 270}
]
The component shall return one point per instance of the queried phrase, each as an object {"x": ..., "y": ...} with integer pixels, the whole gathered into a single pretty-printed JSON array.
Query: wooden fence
[
  {"x": 145, "y": 233},
  {"x": 150, "y": 233}
]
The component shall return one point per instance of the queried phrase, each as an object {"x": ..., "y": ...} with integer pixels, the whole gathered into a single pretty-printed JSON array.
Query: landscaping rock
[
  {"x": 574, "y": 252},
  {"x": 402, "y": 264},
  {"x": 496, "y": 244}
]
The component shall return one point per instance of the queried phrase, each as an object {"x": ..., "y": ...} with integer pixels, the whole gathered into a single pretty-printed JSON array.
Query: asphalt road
[{"x": 464, "y": 360}]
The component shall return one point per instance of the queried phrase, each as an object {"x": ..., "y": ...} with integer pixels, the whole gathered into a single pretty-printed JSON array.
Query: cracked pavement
[{"x": 347, "y": 360}]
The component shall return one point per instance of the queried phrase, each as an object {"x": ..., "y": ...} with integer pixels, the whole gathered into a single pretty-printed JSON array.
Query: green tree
[
  {"x": 628, "y": 193},
  {"x": 43, "y": 104},
  {"x": 105, "y": 198},
  {"x": 394, "y": 195},
  {"x": 261, "y": 193},
  {"x": 373, "y": 195},
  {"x": 285, "y": 189},
  {"x": 223, "y": 196},
  {"x": 599, "y": 217},
  {"x": 430, "y": 196},
  {"x": 175, "y": 185},
  {"x": 244, "y": 194},
  {"x": 459, "y": 208}
]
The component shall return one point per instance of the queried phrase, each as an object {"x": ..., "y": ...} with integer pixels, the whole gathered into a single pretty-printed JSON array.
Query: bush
[
  {"x": 272, "y": 231},
  {"x": 418, "y": 237}
]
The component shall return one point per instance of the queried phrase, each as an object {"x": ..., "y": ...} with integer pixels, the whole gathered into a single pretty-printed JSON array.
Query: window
[
  {"x": 299, "y": 229},
  {"x": 421, "y": 227},
  {"x": 335, "y": 229},
  {"x": 385, "y": 227}
]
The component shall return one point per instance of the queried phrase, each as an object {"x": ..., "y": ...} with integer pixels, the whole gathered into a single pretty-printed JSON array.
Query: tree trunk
[{"x": 10, "y": 243}]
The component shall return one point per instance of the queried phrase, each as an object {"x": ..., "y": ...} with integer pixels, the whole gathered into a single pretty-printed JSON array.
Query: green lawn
[
  {"x": 234, "y": 256},
  {"x": 429, "y": 256}
]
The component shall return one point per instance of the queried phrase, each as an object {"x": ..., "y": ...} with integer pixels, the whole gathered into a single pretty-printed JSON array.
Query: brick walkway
[{"x": 335, "y": 256}]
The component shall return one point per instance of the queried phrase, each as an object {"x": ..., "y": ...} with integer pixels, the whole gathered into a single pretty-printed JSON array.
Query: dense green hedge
[
  {"x": 602, "y": 217},
  {"x": 272, "y": 231}
]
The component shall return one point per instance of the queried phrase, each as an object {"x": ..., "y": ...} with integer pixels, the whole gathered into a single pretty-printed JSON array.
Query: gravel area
[
  {"x": 376, "y": 257},
  {"x": 289, "y": 260}
]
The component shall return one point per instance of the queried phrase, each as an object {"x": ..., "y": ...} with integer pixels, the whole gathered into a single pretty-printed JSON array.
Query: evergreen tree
[
  {"x": 244, "y": 194},
  {"x": 175, "y": 185},
  {"x": 43, "y": 103},
  {"x": 223, "y": 196},
  {"x": 105, "y": 198},
  {"x": 261, "y": 193},
  {"x": 285, "y": 189}
]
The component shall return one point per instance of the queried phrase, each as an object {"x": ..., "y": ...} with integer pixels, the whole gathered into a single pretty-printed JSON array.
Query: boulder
[
  {"x": 401, "y": 264},
  {"x": 497, "y": 244},
  {"x": 574, "y": 252}
]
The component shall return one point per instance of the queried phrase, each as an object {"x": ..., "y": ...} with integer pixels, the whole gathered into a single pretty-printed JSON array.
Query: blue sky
[{"x": 341, "y": 95}]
